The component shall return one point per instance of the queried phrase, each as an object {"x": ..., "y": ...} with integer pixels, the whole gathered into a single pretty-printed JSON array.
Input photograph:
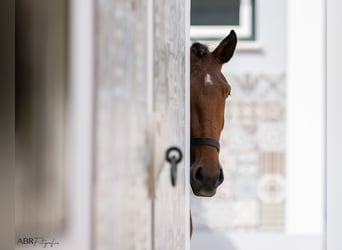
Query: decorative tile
[
  {"x": 272, "y": 216},
  {"x": 247, "y": 163},
  {"x": 246, "y": 187},
  {"x": 271, "y": 188},
  {"x": 271, "y": 136},
  {"x": 246, "y": 214},
  {"x": 239, "y": 139},
  {"x": 271, "y": 111},
  {"x": 272, "y": 163}
]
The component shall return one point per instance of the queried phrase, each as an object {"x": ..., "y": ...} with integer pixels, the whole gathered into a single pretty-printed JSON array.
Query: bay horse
[{"x": 209, "y": 90}]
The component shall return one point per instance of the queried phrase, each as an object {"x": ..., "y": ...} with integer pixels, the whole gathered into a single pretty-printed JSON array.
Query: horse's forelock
[{"x": 199, "y": 49}]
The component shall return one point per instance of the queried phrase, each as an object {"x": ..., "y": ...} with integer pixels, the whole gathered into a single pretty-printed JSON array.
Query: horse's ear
[{"x": 226, "y": 48}]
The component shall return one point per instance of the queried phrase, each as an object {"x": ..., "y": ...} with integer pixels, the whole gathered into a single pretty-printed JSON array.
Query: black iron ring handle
[
  {"x": 173, "y": 156},
  {"x": 170, "y": 154}
]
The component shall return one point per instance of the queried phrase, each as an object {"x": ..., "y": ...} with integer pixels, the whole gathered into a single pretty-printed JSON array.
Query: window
[{"x": 212, "y": 20}]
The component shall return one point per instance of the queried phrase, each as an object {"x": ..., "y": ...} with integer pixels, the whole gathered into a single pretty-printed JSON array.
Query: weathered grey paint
[
  {"x": 128, "y": 214},
  {"x": 169, "y": 105},
  {"x": 122, "y": 208}
]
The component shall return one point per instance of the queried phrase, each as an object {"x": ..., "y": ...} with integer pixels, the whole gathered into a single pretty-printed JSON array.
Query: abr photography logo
[{"x": 37, "y": 241}]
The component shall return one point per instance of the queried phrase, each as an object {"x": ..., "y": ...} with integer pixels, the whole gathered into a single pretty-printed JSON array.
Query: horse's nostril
[
  {"x": 220, "y": 177},
  {"x": 199, "y": 174}
]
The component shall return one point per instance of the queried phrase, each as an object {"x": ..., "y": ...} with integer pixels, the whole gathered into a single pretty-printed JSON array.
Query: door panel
[
  {"x": 122, "y": 206},
  {"x": 139, "y": 113},
  {"x": 169, "y": 106}
]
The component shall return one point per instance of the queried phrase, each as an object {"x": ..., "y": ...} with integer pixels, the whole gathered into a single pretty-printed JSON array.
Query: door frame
[
  {"x": 187, "y": 124},
  {"x": 80, "y": 126},
  {"x": 333, "y": 126}
]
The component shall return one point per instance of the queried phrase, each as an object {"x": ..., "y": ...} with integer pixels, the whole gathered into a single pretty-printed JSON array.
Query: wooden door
[
  {"x": 169, "y": 102},
  {"x": 140, "y": 111},
  {"x": 122, "y": 208}
]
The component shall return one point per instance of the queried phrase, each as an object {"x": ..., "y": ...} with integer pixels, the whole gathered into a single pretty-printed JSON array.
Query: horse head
[{"x": 209, "y": 90}]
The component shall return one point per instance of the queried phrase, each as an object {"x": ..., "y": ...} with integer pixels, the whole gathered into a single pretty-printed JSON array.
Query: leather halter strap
[{"x": 206, "y": 141}]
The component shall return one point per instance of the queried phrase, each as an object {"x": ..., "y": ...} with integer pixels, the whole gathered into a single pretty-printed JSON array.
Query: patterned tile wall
[{"x": 252, "y": 196}]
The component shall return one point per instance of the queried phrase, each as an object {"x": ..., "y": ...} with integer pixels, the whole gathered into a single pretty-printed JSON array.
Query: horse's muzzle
[{"x": 204, "y": 181}]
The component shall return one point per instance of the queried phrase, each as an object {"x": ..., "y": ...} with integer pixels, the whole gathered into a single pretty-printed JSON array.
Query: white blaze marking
[{"x": 207, "y": 80}]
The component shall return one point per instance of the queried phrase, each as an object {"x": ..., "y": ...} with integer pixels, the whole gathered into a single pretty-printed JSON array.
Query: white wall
[{"x": 305, "y": 112}]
